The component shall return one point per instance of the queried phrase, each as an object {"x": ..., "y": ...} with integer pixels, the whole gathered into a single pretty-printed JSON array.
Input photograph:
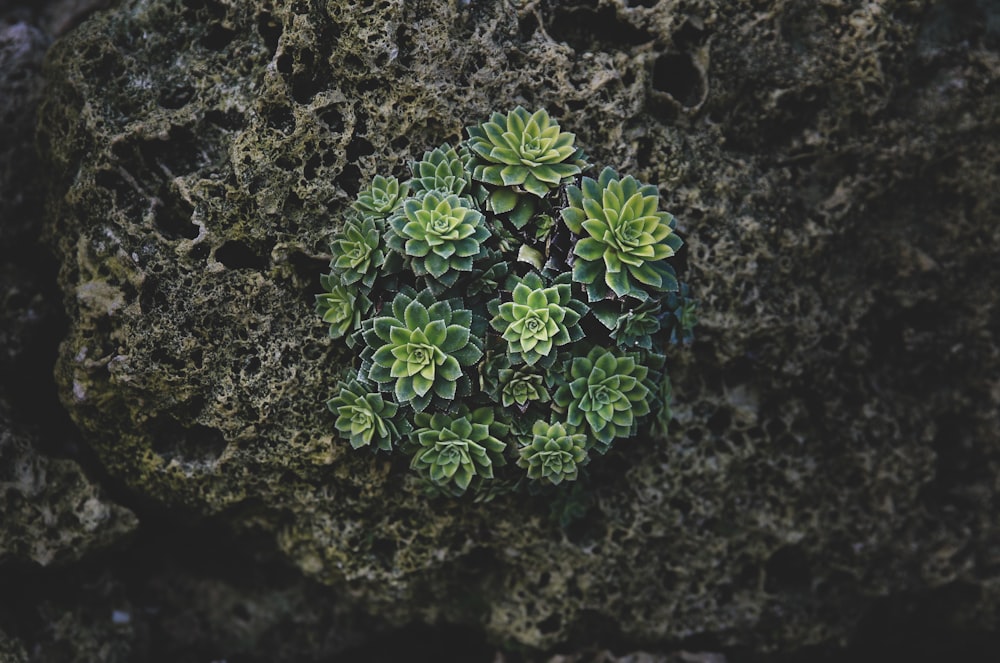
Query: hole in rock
[
  {"x": 217, "y": 37},
  {"x": 359, "y": 147},
  {"x": 280, "y": 118},
  {"x": 178, "y": 154},
  {"x": 284, "y": 63},
  {"x": 190, "y": 443},
  {"x": 174, "y": 98},
  {"x": 786, "y": 569},
  {"x": 173, "y": 218},
  {"x": 332, "y": 118},
  {"x": 237, "y": 255},
  {"x": 586, "y": 28},
  {"x": 677, "y": 75},
  {"x": 126, "y": 196},
  {"x": 550, "y": 624},
  {"x": 230, "y": 120},
  {"x": 350, "y": 179},
  {"x": 270, "y": 30}
]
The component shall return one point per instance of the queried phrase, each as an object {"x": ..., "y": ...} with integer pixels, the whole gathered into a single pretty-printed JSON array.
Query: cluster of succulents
[{"x": 509, "y": 311}]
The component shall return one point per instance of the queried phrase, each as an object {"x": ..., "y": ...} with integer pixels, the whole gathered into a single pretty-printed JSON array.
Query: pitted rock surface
[{"x": 833, "y": 172}]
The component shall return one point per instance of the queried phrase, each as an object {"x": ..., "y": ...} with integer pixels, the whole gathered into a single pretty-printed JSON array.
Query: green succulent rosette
[
  {"x": 419, "y": 351},
  {"x": 555, "y": 452},
  {"x": 607, "y": 391},
  {"x": 452, "y": 449},
  {"x": 341, "y": 306},
  {"x": 521, "y": 387},
  {"x": 537, "y": 320},
  {"x": 358, "y": 252},
  {"x": 440, "y": 234},
  {"x": 366, "y": 418},
  {"x": 381, "y": 198},
  {"x": 519, "y": 153},
  {"x": 442, "y": 170},
  {"x": 625, "y": 238}
]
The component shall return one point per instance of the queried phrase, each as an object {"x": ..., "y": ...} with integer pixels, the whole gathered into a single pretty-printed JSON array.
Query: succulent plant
[
  {"x": 441, "y": 234},
  {"x": 521, "y": 387},
  {"x": 505, "y": 308},
  {"x": 366, "y": 418},
  {"x": 521, "y": 152},
  {"x": 606, "y": 390},
  {"x": 625, "y": 238},
  {"x": 358, "y": 252},
  {"x": 636, "y": 327},
  {"x": 680, "y": 315},
  {"x": 341, "y": 306},
  {"x": 441, "y": 169},
  {"x": 538, "y": 319},
  {"x": 381, "y": 198},
  {"x": 555, "y": 452},
  {"x": 418, "y": 352},
  {"x": 453, "y": 449}
]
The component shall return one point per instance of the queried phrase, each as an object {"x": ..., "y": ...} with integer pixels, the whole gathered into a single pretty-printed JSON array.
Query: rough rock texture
[
  {"x": 11, "y": 651},
  {"x": 833, "y": 168},
  {"x": 50, "y": 511}
]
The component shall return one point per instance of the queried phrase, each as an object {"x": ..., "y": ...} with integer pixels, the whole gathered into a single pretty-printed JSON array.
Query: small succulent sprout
[
  {"x": 521, "y": 387},
  {"x": 660, "y": 425},
  {"x": 382, "y": 197},
  {"x": 419, "y": 351},
  {"x": 358, "y": 252},
  {"x": 635, "y": 327},
  {"x": 555, "y": 452},
  {"x": 521, "y": 152},
  {"x": 608, "y": 391},
  {"x": 451, "y": 450},
  {"x": 441, "y": 234},
  {"x": 488, "y": 274},
  {"x": 367, "y": 418},
  {"x": 625, "y": 239},
  {"x": 680, "y": 315},
  {"x": 341, "y": 306},
  {"x": 538, "y": 319},
  {"x": 441, "y": 169}
]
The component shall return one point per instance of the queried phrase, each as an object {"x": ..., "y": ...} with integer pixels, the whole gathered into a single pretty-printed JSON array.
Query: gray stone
[
  {"x": 833, "y": 172},
  {"x": 51, "y": 512}
]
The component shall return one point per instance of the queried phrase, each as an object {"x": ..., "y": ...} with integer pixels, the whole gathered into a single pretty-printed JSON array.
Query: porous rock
[
  {"x": 52, "y": 513},
  {"x": 836, "y": 428}
]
